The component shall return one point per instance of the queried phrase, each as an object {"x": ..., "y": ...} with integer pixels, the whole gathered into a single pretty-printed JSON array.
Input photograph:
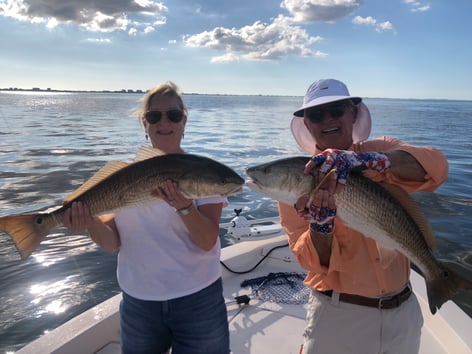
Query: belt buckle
[
  {"x": 381, "y": 301},
  {"x": 393, "y": 297}
]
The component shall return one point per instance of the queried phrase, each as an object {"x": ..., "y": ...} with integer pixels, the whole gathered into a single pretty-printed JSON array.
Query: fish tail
[
  {"x": 444, "y": 287},
  {"x": 26, "y": 231}
]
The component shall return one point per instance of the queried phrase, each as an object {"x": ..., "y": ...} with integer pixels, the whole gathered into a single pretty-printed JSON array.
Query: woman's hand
[
  {"x": 169, "y": 192},
  {"x": 77, "y": 218}
]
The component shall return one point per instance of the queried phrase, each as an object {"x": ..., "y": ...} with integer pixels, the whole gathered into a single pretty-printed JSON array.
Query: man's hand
[
  {"x": 320, "y": 213},
  {"x": 344, "y": 161}
]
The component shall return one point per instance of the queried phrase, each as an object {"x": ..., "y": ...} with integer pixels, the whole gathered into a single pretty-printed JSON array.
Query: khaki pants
[{"x": 335, "y": 327}]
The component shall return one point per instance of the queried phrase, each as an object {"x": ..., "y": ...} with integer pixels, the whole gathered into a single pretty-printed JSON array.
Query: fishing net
[{"x": 283, "y": 287}]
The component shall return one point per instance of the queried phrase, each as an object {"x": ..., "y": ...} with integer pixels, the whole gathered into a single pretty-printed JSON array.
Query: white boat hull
[{"x": 260, "y": 326}]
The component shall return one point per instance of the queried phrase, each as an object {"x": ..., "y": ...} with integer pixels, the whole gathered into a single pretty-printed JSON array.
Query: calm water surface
[{"x": 50, "y": 143}]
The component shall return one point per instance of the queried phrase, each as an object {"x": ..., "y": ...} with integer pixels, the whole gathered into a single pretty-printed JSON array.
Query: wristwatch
[{"x": 185, "y": 211}]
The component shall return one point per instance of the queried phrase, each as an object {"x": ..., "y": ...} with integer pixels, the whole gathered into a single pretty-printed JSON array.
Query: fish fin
[
  {"x": 444, "y": 287},
  {"x": 414, "y": 211},
  {"x": 147, "y": 152},
  {"x": 144, "y": 153},
  {"x": 25, "y": 230},
  {"x": 103, "y": 173}
]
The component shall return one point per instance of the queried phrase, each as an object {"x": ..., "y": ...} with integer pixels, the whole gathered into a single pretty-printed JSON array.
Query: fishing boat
[{"x": 265, "y": 315}]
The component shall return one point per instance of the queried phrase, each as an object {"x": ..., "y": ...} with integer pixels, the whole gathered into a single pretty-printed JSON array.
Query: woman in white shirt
[{"x": 168, "y": 260}]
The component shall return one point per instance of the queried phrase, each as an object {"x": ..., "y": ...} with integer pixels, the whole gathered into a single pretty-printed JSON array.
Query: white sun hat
[{"x": 326, "y": 91}]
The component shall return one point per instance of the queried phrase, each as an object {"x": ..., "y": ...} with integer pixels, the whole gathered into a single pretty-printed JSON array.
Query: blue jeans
[{"x": 196, "y": 323}]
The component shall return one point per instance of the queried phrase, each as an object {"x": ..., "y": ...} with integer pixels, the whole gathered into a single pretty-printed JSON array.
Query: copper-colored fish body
[{"x": 121, "y": 185}]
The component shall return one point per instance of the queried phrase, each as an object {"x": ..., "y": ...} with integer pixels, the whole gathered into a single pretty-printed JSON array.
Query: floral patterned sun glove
[
  {"x": 344, "y": 161},
  {"x": 319, "y": 215},
  {"x": 321, "y": 219}
]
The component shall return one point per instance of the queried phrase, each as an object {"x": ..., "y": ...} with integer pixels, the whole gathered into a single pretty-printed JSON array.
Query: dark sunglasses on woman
[{"x": 174, "y": 115}]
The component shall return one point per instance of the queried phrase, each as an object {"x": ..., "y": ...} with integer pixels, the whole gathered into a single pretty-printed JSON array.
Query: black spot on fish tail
[
  {"x": 444, "y": 287},
  {"x": 27, "y": 231}
]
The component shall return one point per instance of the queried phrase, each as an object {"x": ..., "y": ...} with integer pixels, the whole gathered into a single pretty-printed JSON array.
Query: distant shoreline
[
  {"x": 37, "y": 89},
  {"x": 50, "y": 90}
]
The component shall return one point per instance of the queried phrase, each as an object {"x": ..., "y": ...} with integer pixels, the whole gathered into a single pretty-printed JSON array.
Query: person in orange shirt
[{"x": 361, "y": 299}]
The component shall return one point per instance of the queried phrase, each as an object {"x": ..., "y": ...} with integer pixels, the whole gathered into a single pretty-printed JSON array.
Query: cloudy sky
[{"x": 380, "y": 48}]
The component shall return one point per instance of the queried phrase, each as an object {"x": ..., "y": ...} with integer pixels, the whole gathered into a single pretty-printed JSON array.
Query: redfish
[
  {"x": 383, "y": 212},
  {"x": 120, "y": 185}
]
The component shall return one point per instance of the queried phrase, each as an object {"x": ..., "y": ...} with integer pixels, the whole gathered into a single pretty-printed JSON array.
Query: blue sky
[{"x": 379, "y": 48}]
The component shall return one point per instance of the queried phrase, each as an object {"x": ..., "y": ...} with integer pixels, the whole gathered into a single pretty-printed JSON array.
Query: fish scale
[{"x": 387, "y": 224}]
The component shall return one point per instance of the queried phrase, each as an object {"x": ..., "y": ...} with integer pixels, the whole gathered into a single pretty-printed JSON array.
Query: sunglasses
[
  {"x": 335, "y": 111},
  {"x": 174, "y": 115}
]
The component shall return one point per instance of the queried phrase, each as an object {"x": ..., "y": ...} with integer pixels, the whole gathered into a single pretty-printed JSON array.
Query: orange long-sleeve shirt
[{"x": 357, "y": 264}]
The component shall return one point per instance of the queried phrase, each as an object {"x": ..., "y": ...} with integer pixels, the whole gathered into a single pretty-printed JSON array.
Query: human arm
[
  {"x": 320, "y": 216},
  {"x": 203, "y": 225},
  {"x": 414, "y": 168},
  {"x": 313, "y": 256},
  {"x": 405, "y": 166},
  {"x": 202, "y": 222},
  {"x": 102, "y": 229},
  {"x": 432, "y": 160}
]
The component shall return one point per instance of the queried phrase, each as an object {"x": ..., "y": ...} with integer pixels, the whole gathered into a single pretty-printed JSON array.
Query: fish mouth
[{"x": 237, "y": 190}]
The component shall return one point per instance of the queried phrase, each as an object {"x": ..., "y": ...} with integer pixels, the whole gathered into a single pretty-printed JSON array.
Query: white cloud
[
  {"x": 225, "y": 58},
  {"x": 370, "y": 21},
  {"x": 97, "y": 21},
  {"x": 421, "y": 8},
  {"x": 92, "y": 15},
  {"x": 417, "y": 6},
  {"x": 358, "y": 20},
  {"x": 99, "y": 40},
  {"x": 385, "y": 26},
  {"x": 307, "y": 11},
  {"x": 259, "y": 41},
  {"x": 149, "y": 29},
  {"x": 52, "y": 23}
]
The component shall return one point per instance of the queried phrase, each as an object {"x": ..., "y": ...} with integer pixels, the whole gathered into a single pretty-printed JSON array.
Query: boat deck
[
  {"x": 258, "y": 327},
  {"x": 262, "y": 326},
  {"x": 268, "y": 327}
]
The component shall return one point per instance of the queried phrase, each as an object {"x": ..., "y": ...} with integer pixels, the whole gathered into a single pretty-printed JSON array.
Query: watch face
[{"x": 185, "y": 211}]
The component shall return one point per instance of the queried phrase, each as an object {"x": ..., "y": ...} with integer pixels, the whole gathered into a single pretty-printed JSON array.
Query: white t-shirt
[{"x": 157, "y": 259}]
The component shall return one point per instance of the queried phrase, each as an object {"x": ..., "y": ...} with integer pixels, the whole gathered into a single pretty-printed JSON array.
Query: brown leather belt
[{"x": 389, "y": 302}]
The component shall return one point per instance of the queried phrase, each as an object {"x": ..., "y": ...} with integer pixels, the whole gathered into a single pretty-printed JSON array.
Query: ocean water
[{"x": 50, "y": 143}]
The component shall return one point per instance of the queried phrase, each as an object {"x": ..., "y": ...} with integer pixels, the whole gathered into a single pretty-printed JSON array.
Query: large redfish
[
  {"x": 383, "y": 212},
  {"x": 119, "y": 185}
]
